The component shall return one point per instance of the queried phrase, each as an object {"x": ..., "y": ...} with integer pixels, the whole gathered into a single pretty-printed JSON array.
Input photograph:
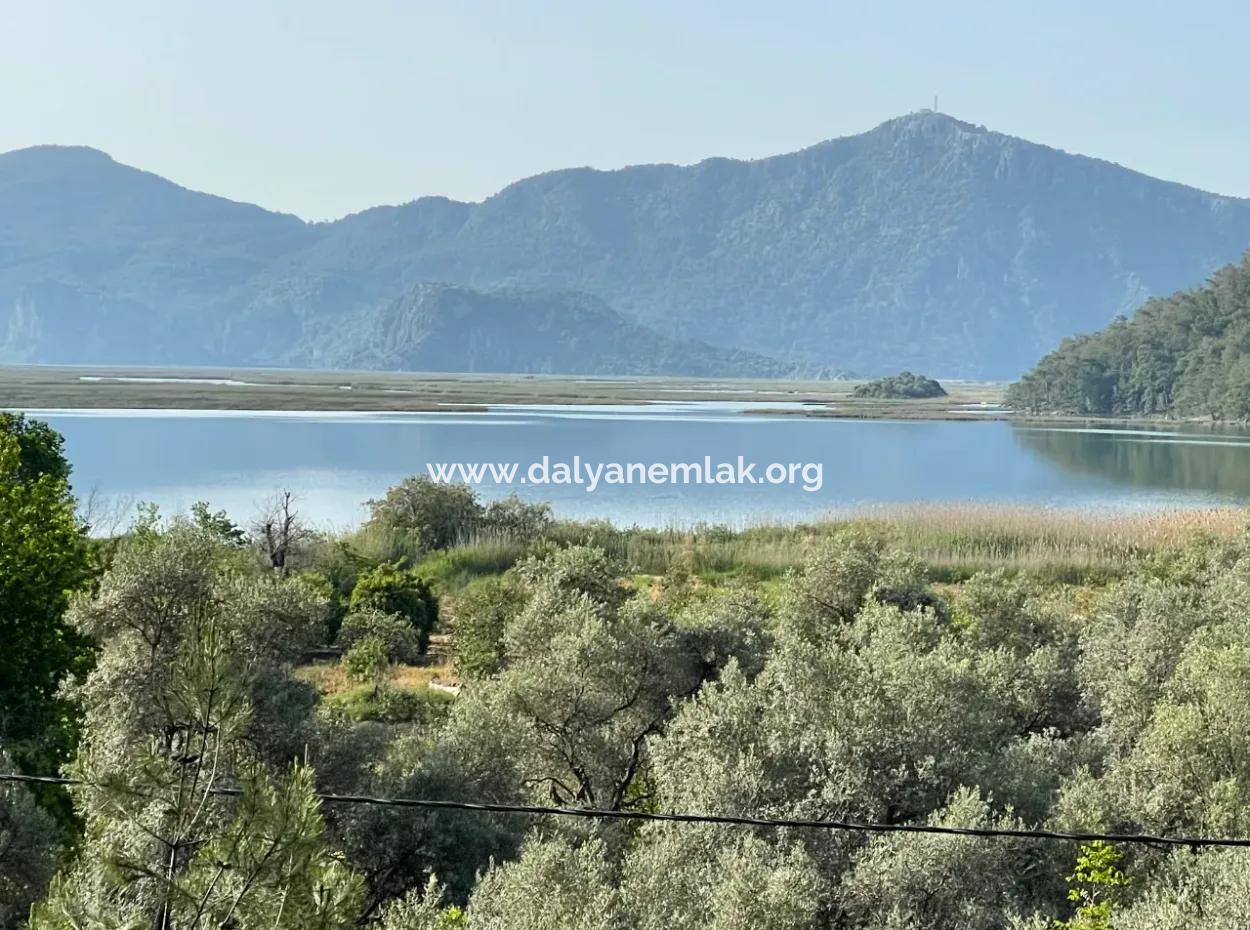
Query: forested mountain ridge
[
  {"x": 439, "y": 327},
  {"x": 100, "y": 262},
  {"x": 112, "y": 264},
  {"x": 1187, "y": 355},
  {"x": 926, "y": 243}
]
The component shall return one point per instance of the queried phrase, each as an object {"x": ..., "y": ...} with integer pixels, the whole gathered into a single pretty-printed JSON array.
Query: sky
[{"x": 325, "y": 107}]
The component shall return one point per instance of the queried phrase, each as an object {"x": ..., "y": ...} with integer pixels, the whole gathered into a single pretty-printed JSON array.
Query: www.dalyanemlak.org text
[{"x": 809, "y": 476}]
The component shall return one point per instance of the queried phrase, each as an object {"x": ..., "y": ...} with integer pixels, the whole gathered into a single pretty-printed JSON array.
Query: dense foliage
[
  {"x": 851, "y": 687},
  {"x": 903, "y": 385},
  {"x": 1183, "y": 356},
  {"x": 390, "y": 590},
  {"x": 925, "y": 243},
  {"x": 43, "y": 557},
  {"x": 437, "y": 515}
]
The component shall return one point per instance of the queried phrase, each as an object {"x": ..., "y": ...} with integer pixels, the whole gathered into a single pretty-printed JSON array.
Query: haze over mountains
[{"x": 926, "y": 243}]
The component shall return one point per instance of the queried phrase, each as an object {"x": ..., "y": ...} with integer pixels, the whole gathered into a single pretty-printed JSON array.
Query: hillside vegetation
[
  {"x": 234, "y": 700},
  {"x": 927, "y": 243},
  {"x": 1187, "y": 355},
  {"x": 442, "y": 328}
]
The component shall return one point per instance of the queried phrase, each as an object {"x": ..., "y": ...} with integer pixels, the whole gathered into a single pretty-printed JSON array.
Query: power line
[{"x": 1143, "y": 839}]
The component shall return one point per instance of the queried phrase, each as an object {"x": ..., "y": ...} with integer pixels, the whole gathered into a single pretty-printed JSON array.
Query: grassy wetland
[
  {"x": 954, "y": 541},
  {"x": 56, "y": 387}
]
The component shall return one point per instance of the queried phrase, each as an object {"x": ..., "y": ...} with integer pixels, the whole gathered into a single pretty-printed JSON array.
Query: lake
[{"x": 335, "y": 462}]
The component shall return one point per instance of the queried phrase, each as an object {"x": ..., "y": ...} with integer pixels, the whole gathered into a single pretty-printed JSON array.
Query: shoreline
[{"x": 287, "y": 390}]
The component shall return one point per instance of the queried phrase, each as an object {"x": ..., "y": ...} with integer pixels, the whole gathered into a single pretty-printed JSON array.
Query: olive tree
[
  {"x": 931, "y": 880},
  {"x": 848, "y": 569},
  {"x": 588, "y": 679},
  {"x": 577, "y": 891},
  {"x": 423, "y": 910},
  {"x": 696, "y": 877},
  {"x": 481, "y": 614},
  {"x": 1167, "y": 668},
  {"x": 396, "y": 850},
  {"x": 400, "y": 641},
  {"x": 1208, "y": 889}
]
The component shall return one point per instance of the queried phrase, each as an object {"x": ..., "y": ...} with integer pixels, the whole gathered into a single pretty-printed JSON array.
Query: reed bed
[
  {"x": 963, "y": 537},
  {"x": 953, "y": 539}
]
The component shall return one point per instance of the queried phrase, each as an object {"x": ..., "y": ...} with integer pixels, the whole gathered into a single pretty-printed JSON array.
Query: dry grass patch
[{"x": 330, "y": 679}]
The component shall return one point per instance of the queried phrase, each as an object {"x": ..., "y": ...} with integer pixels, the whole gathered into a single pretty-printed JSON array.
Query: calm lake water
[{"x": 337, "y": 461}]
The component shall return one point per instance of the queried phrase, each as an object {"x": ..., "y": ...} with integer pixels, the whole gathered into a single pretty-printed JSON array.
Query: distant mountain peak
[
  {"x": 931, "y": 118},
  {"x": 54, "y": 150},
  {"x": 52, "y": 183},
  {"x": 49, "y": 158}
]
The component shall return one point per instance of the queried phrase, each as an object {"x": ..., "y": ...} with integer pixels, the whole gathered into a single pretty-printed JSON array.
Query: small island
[{"x": 902, "y": 386}]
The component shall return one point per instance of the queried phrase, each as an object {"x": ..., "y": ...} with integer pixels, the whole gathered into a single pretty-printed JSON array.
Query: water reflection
[
  {"x": 1210, "y": 461},
  {"x": 336, "y": 461}
]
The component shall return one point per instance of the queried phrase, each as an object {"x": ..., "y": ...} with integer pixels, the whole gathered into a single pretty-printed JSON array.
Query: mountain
[
  {"x": 926, "y": 243},
  {"x": 439, "y": 327},
  {"x": 102, "y": 262},
  {"x": 1187, "y": 355}
]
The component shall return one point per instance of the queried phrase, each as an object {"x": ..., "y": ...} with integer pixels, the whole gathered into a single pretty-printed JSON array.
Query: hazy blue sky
[{"x": 323, "y": 107}]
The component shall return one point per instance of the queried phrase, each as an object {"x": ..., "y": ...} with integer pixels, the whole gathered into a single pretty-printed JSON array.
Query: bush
[
  {"x": 482, "y": 613},
  {"x": 577, "y": 569},
  {"x": 400, "y": 641},
  {"x": 366, "y": 663},
  {"x": 390, "y": 589},
  {"x": 437, "y": 515},
  {"x": 516, "y": 519},
  {"x": 393, "y": 705},
  {"x": 338, "y": 566}
]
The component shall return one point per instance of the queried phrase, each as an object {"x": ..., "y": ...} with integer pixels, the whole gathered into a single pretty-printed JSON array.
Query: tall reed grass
[
  {"x": 962, "y": 537},
  {"x": 954, "y": 539}
]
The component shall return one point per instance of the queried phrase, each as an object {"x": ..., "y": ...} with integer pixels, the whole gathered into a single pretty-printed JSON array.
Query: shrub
[
  {"x": 438, "y": 515},
  {"x": 366, "y": 663},
  {"x": 400, "y": 641},
  {"x": 482, "y": 613},
  {"x": 392, "y": 590},
  {"x": 393, "y": 705},
  {"x": 577, "y": 569},
  {"x": 516, "y": 519}
]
